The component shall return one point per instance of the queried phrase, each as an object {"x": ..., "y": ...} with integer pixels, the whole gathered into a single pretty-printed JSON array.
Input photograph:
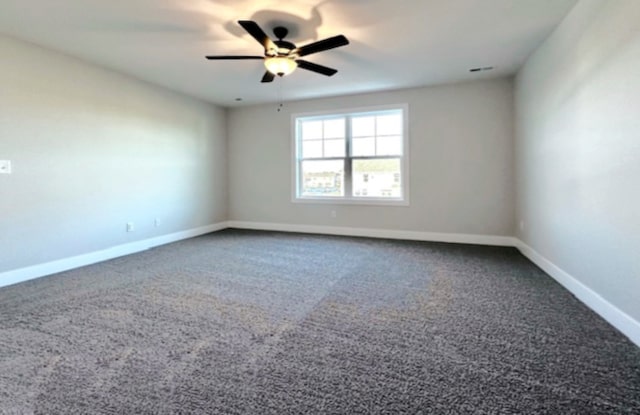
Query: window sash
[{"x": 348, "y": 178}]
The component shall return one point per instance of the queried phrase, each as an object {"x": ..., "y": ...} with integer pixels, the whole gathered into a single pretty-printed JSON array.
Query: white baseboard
[
  {"x": 40, "y": 270},
  {"x": 616, "y": 317},
  {"x": 36, "y": 271},
  {"x": 377, "y": 233}
]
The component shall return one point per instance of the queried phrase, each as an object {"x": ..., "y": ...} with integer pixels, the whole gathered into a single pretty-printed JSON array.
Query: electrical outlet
[
  {"x": 5, "y": 166},
  {"x": 156, "y": 222},
  {"x": 130, "y": 227}
]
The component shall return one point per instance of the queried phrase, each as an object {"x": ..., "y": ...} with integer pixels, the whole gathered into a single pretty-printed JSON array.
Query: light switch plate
[{"x": 5, "y": 166}]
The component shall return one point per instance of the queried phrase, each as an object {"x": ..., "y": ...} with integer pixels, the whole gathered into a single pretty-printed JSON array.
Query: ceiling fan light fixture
[{"x": 280, "y": 65}]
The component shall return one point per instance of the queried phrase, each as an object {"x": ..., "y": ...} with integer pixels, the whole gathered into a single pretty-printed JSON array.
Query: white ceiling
[{"x": 393, "y": 43}]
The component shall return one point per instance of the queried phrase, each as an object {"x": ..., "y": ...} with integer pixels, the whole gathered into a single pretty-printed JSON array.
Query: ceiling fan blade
[
  {"x": 258, "y": 34},
  {"x": 268, "y": 77},
  {"x": 314, "y": 67},
  {"x": 233, "y": 57},
  {"x": 319, "y": 46}
]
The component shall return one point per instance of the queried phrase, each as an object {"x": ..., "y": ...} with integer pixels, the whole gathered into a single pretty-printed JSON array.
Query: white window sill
[{"x": 351, "y": 201}]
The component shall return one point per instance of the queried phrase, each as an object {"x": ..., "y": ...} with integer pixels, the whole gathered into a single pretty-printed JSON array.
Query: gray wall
[
  {"x": 461, "y": 156},
  {"x": 578, "y": 150},
  {"x": 93, "y": 150}
]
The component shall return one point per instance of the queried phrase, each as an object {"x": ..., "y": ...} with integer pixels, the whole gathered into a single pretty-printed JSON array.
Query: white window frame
[{"x": 360, "y": 200}]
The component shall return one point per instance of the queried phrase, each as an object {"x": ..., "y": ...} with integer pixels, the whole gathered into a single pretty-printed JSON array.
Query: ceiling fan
[{"x": 282, "y": 57}]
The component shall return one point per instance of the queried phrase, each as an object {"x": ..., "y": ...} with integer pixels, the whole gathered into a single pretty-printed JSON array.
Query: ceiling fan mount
[
  {"x": 282, "y": 57},
  {"x": 280, "y": 32},
  {"x": 284, "y": 48}
]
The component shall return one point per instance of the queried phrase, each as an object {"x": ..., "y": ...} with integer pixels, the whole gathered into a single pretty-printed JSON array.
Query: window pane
[
  {"x": 311, "y": 130},
  {"x": 377, "y": 178},
  {"x": 311, "y": 149},
  {"x": 389, "y": 124},
  {"x": 363, "y": 146},
  {"x": 363, "y": 126},
  {"x": 389, "y": 146},
  {"x": 334, "y": 148},
  {"x": 322, "y": 178},
  {"x": 334, "y": 128}
]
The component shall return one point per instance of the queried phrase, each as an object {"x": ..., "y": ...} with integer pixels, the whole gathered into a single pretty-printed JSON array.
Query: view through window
[{"x": 353, "y": 156}]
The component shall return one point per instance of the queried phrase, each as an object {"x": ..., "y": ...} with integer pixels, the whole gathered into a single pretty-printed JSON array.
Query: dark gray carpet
[{"x": 242, "y": 322}]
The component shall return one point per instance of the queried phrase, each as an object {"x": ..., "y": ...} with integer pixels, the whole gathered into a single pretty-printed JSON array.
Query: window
[{"x": 352, "y": 157}]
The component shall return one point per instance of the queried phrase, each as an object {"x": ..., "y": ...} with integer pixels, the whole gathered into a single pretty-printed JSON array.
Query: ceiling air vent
[{"x": 482, "y": 69}]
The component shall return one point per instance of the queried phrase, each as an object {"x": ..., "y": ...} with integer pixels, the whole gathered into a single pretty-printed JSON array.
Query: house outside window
[{"x": 352, "y": 156}]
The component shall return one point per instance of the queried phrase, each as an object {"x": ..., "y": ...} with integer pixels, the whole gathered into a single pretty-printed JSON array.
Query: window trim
[{"x": 349, "y": 200}]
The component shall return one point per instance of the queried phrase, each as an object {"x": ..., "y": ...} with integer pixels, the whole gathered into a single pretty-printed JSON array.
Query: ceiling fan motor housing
[{"x": 284, "y": 47}]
